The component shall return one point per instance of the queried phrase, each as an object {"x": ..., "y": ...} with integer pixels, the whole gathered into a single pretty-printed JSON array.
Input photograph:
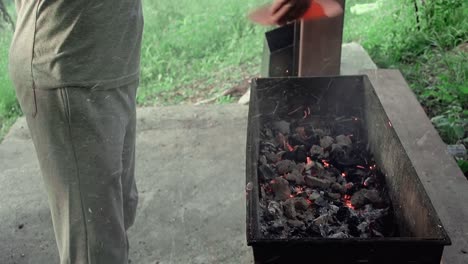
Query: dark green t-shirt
[{"x": 82, "y": 43}]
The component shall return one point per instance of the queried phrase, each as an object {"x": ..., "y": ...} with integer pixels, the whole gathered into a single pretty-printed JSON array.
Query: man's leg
[{"x": 84, "y": 141}]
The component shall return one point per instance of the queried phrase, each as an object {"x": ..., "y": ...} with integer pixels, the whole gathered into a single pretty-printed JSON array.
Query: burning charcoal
[
  {"x": 300, "y": 180},
  {"x": 322, "y": 220},
  {"x": 289, "y": 209},
  {"x": 315, "y": 182},
  {"x": 342, "y": 214},
  {"x": 268, "y": 133},
  {"x": 301, "y": 154},
  {"x": 268, "y": 145},
  {"x": 327, "y": 175},
  {"x": 300, "y": 204},
  {"x": 337, "y": 152},
  {"x": 319, "y": 132},
  {"x": 298, "y": 177},
  {"x": 274, "y": 208},
  {"x": 309, "y": 165},
  {"x": 282, "y": 127},
  {"x": 334, "y": 209},
  {"x": 301, "y": 132},
  {"x": 262, "y": 191},
  {"x": 272, "y": 158},
  {"x": 281, "y": 189},
  {"x": 321, "y": 202},
  {"x": 370, "y": 181},
  {"x": 363, "y": 227},
  {"x": 326, "y": 142},
  {"x": 266, "y": 172},
  {"x": 291, "y": 176},
  {"x": 339, "y": 235},
  {"x": 314, "y": 196},
  {"x": 353, "y": 222},
  {"x": 316, "y": 151},
  {"x": 300, "y": 167},
  {"x": 344, "y": 141},
  {"x": 373, "y": 197},
  {"x": 296, "y": 224},
  {"x": 276, "y": 228},
  {"x": 285, "y": 166},
  {"x": 323, "y": 183},
  {"x": 334, "y": 196},
  {"x": 336, "y": 187},
  {"x": 359, "y": 199},
  {"x": 281, "y": 140},
  {"x": 296, "y": 140}
]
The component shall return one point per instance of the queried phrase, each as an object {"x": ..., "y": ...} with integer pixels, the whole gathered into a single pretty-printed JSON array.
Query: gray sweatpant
[{"x": 85, "y": 143}]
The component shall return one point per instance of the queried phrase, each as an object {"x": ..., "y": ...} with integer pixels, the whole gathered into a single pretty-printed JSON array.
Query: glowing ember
[
  {"x": 291, "y": 196},
  {"x": 325, "y": 164},
  {"x": 287, "y": 146},
  {"x": 343, "y": 174},
  {"x": 360, "y": 167},
  {"x": 348, "y": 203},
  {"x": 299, "y": 190},
  {"x": 309, "y": 161}
]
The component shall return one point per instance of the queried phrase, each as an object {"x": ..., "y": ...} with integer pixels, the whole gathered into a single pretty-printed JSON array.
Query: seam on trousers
[
  {"x": 32, "y": 59},
  {"x": 66, "y": 102}
]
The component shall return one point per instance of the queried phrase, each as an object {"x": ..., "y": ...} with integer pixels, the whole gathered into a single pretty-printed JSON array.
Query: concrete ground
[
  {"x": 191, "y": 180},
  {"x": 191, "y": 177}
]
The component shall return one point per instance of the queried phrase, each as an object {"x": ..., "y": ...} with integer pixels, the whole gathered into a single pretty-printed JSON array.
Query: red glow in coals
[
  {"x": 343, "y": 174},
  {"x": 299, "y": 190},
  {"x": 325, "y": 164},
  {"x": 347, "y": 200},
  {"x": 309, "y": 161}
]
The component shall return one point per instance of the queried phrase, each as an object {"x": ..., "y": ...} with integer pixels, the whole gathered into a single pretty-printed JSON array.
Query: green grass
[
  {"x": 9, "y": 109},
  {"x": 192, "y": 46}
]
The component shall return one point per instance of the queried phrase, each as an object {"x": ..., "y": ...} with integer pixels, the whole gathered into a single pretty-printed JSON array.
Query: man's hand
[{"x": 283, "y": 11}]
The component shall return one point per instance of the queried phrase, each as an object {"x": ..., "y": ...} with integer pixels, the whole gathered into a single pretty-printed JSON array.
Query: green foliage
[
  {"x": 425, "y": 52},
  {"x": 463, "y": 166},
  {"x": 187, "y": 41},
  {"x": 225, "y": 99},
  {"x": 9, "y": 108},
  {"x": 452, "y": 124}
]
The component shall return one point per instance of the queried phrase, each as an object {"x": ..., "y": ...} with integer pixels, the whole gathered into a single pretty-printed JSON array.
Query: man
[{"x": 75, "y": 67}]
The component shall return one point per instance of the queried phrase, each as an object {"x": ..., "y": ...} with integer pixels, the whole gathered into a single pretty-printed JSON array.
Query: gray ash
[{"x": 316, "y": 181}]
